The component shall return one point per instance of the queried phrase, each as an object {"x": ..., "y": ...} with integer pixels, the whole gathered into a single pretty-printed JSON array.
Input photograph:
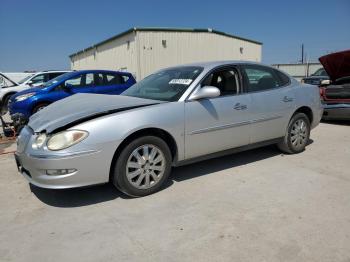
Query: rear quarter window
[{"x": 283, "y": 78}]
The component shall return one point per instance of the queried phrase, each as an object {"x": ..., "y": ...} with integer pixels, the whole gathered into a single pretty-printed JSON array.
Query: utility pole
[{"x": 302, "y": 53}]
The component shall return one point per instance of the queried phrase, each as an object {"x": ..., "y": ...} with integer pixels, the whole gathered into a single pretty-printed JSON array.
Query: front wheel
[
  {"x": 297, "y": 135},
  {"x": 142, "y": 167},
  {"x": 5, "y": 105},
  {"x": 39, "y": 107}
]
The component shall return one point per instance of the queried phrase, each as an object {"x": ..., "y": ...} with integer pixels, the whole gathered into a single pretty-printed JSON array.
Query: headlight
[
  {"x": 39, "y": 141},
  {"x": 66, "y": 139},
  {"x": 24, "y": 97}
]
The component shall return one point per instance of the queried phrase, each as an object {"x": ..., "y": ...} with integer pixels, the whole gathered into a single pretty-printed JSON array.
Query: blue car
[{"x": 23, "y": 104}]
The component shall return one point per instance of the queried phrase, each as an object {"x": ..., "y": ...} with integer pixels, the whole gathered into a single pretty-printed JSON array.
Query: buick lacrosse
[{"x": 173, "y": 117}]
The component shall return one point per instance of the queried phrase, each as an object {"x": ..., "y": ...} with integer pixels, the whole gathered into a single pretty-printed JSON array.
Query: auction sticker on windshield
[{"x": 181, "y": 81}]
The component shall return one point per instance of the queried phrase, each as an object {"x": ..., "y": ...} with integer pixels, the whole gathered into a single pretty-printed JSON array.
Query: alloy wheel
[
  {"x": 299, "y": 133},
  {"x": 145, "y": 166}
]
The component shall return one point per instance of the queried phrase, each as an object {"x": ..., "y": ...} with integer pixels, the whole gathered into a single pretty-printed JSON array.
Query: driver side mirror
[
  {"x": 205, "y": 92},
  {"x": 68, "y": 87},
  {"x": 30, "y": 83}
]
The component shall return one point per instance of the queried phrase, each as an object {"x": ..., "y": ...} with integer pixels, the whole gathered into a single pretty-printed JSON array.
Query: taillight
[{"x": 322, "y": 92}]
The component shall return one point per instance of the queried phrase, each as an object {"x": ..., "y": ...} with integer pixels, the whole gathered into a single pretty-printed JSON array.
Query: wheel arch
[
  {"x": 37, "y": 103},
  {"x": 9, "y": 94},
  {"x": 158, "y": 132},
  {"x": 307, "y": 111}
]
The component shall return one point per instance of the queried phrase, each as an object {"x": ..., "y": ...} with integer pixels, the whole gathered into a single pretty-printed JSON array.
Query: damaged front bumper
[
  {"x": 19, "y": 121},
  {"x": 83, "y": 164}
]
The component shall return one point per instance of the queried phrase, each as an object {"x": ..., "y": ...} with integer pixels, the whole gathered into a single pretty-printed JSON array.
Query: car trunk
[
  {"x": 337, "y": 92},
  {"x": 337, "y": 65}
]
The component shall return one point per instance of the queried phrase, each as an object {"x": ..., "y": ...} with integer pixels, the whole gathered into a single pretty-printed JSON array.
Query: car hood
[
  {"x": 337, "y": 65},
  {"x": 83, "y": 107},
  {"x": 5, "y": 78}
]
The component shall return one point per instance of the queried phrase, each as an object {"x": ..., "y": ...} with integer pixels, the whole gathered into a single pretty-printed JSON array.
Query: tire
[
  {"x": 138, "y": 174},
  {"x": 297, "y": 135},
  {"x": 5, "y": 104},
  {"x": 39, "y": 107}
]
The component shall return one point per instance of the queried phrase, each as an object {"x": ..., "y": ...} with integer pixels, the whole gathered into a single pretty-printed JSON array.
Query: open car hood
[
  {"x": 83, "y": 107},
  {"x": 337, "y": 65},
  {"x": 4, "y": 79}
]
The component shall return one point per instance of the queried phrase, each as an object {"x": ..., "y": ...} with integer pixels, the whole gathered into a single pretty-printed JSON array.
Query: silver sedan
[{"x": 173, "y": 117}]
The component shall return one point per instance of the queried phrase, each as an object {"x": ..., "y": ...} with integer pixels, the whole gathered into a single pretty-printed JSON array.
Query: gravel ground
[{"x": 258, "y": 205}]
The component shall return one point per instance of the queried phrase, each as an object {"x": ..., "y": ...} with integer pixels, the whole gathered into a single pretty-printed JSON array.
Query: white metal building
[
  {"x": 141, "y": 51},
  {"x": 299, "y": 71}
]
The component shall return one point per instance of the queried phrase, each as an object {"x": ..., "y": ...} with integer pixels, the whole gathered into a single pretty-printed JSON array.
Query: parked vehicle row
[
  {"x": 173, "y": 117},
  {"x": 33, "y": 80},
  {"x": 26, "y": 103}
]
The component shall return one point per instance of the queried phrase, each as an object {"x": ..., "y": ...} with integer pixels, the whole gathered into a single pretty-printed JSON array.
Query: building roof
[{"x": 166, "y": 29}]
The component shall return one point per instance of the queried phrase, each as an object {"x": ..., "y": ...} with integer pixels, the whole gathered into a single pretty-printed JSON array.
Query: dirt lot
[{"x": 253, "y": 206}]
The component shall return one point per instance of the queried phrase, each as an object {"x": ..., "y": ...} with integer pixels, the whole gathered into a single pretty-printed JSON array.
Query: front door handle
[
  {"x": 287, "y": 99},
  {"x": 239, "y": 106}
]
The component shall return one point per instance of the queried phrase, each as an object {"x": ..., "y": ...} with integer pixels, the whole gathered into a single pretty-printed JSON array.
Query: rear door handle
[
  {"x": 238, "y": 106},
  {"x": 287, "y": 99}
]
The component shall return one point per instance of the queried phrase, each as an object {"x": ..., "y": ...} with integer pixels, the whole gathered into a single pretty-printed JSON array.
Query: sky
[{"x": 40, "y": 35}]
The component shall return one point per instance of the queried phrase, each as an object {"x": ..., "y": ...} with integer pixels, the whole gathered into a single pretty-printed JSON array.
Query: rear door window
[
  {"x": 283, "y": 78},
  {"x": 108, "y": 79},
  {"x": 260, "y": 78},
  {"x": 113, "y": 79},
  {"x": 89, "y": 79}
]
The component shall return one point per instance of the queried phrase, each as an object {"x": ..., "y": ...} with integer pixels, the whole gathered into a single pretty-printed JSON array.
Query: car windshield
[
  {"x": 320, "y": 72},
  {"x": 166, "y": 85},
  {"x": 25, "y": 79},
  {"x": 58, "y": 79}
]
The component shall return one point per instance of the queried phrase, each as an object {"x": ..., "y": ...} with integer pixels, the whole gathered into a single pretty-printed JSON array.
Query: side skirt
[{"x": 227, "y": 152}]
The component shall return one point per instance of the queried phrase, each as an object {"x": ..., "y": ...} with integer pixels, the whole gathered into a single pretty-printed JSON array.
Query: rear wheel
[
  {"x": 297, "y": 135},
  {"x": 142, "y": 167}
]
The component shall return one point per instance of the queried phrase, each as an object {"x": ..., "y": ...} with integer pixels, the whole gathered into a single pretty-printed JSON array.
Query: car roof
[
  {"x": 211, "y": 64},
  {"x": 100, "y": 71},
  {"x": 52, "y": 71}
]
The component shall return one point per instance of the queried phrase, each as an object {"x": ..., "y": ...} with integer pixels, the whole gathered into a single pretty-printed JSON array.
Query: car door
[
  {"x": 82, "y": 83},
  {"x": 220, "y": 123},
  {"x": 110, "y": 83},
  {"x": 38, "y": 80},
  {"x": 272, "y": 101}
]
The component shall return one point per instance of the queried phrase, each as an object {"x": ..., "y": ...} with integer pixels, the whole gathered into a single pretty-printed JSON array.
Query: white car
[{"x": 9, "y": 87}]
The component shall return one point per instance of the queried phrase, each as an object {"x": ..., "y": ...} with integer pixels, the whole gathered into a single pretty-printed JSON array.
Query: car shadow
[
  {"x": 77, "y": 196},
  {"x": 68, "y": 198},
  {"x": 337, "y": 122},
  {"x": 210, "y": 166}
]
